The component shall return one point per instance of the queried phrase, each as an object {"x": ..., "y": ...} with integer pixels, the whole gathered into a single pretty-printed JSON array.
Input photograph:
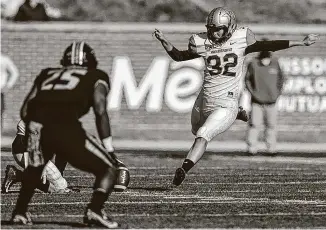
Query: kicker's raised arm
[
  {"x": 174, "y": 53},
  {"x": 276, "y": 45}
]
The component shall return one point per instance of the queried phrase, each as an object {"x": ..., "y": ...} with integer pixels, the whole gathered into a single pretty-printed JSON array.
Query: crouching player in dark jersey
[
  {"x": 51, "y": 111},
  {"x": 52, "y": 180}
]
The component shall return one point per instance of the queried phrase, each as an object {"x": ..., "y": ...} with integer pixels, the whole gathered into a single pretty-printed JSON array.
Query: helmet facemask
[{"x": 216, "y": 34}]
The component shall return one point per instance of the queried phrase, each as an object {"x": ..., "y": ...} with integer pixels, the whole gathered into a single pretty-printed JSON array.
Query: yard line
[
  {"x": 237, "y": 201},
  {"x": 159, "y": 194},
  {"x": 88, "y": 176},
  {"x": 277, "y": 159},
  {"x": 258, "y": 183},
  {"x": 211, "y": 168},
  {"x": 192, "y": 215},
  {"x": 212, "y": 175}
]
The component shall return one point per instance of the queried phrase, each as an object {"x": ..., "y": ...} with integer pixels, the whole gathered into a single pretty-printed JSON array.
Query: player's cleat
[
  {"x": 92, "y": 218},
  {"x": 12, "y": 175},
  {"x": 242, "y": 115},
  {"x": 21, "y": 219},
  {"x": 180, "y": 175}
]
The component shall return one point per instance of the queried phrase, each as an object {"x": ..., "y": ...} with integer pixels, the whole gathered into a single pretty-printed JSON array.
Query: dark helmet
[{"x": 79, "y": 53}]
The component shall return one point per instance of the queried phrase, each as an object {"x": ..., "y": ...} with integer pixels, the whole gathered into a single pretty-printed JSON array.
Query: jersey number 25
[{"x": 63, "y": 80}]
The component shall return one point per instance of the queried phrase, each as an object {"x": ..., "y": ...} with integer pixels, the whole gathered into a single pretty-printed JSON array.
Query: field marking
[
  {"x": 209, "y": 174},
  {"x": 69, "y": 168},
  {"x": 297, "y": 169},
  {"x": 159, "y": 195},
  {"x": 255, "y": 175},
  {"x": 190, "y": 215},
  {"x": 257, "y": 183},
  {"x": 219, "y": 157},
  {"x": 205, "y": 200}
]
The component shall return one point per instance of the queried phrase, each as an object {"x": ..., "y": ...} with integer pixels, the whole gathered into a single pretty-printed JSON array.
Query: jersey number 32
[{"x": 215, "y": 67}]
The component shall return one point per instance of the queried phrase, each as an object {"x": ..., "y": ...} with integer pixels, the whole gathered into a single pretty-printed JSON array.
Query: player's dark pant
[
  {"x": 19, "y": 147},
  {"x": 71, "y": 143}
]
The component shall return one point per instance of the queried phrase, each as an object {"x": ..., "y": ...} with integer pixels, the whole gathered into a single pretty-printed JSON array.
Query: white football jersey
[{"x": 223, "y": 73}]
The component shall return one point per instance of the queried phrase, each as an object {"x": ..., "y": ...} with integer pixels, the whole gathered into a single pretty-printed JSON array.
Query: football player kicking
[
  {"x": 223, "y": 47},
  {"x": 52, "y": 180},
  {"x": 52, "y": 109}
]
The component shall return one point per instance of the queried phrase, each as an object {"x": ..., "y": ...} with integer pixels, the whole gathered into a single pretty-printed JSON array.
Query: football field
[{"x": 221, "y": 191}]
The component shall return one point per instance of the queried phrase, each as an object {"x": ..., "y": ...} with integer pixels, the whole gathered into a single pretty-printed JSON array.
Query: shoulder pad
[
  {"x": 101, "y": 77},
  {"x": 196, "y": 41},
  {"x": 99, "y": 73},
  {"x": 250, "y": 36}
]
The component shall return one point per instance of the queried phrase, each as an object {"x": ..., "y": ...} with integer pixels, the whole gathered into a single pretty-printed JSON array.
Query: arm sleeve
[
  {"x": 185, "y": 55},
  {"x": 267, "y": 46}
]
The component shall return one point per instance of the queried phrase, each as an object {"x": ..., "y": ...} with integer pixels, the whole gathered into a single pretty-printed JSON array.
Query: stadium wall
[{"x": 151, "y": 95}]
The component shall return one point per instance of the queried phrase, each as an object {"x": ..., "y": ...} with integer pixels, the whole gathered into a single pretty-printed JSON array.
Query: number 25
[{"x": 64, "y": 80}]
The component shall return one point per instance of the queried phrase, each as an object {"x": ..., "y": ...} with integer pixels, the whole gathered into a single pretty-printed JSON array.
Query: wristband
[{"x": 107, "y": 142}]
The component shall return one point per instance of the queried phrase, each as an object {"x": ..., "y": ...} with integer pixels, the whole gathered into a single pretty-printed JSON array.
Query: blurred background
[
  {"x": 247, "y": 11},
  {"x": 152, "y": 96}
]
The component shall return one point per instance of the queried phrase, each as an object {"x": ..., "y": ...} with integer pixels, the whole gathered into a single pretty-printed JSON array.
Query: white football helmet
[{"x": 220, "y": 18}]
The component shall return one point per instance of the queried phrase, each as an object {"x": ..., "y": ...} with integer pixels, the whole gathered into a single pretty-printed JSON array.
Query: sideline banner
[{"x": 152, "y": 96}]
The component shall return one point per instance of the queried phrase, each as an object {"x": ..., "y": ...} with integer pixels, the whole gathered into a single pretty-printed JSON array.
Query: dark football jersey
[{"x": 64, "y": 94}]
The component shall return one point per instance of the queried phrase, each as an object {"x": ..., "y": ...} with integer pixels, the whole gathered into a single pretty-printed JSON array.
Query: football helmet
[
  {"x": 220, "y": 18},
  {"x": 80, "y": 54}
]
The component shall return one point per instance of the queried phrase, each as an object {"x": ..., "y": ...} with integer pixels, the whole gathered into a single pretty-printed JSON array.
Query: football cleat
[
  {"x": 21, "y": 219},
  {"x": 180, "y": 175},
  {"x": 242, "y": 115},
  {"x": 123, "y": 178},
  {"x": 12, "y": 175},
  {"x": 92, "y": 218}
]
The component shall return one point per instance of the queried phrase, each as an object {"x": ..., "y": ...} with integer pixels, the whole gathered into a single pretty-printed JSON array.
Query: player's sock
[
  {"x": 102, "y": 189},
  {"x": 187, "y": 165},
  {"x": 98, "y": 199},
  {"x": 31, "y": 178}
]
